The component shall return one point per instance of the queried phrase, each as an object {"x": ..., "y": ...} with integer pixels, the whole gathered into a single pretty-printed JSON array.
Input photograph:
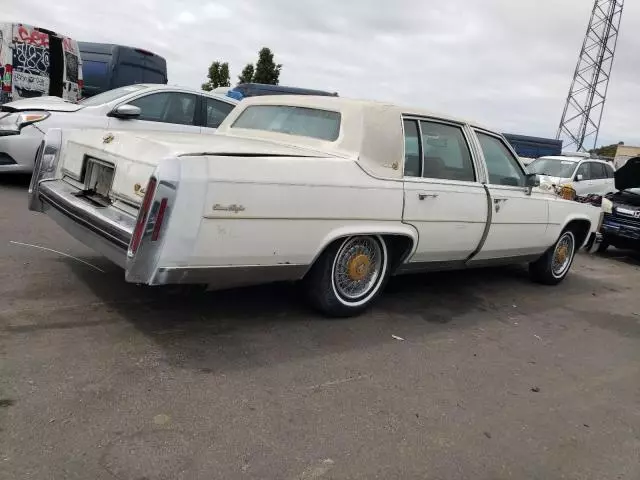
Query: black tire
[
  {"x": 543, "y": 271},
  {"x": 325, "y": 292}
]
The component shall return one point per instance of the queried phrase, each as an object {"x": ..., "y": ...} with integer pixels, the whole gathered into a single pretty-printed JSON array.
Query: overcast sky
[{"x": 504, "y": 63}]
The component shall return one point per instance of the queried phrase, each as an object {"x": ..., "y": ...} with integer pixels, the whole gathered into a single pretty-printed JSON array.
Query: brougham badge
[
  {"x": 108, "y": 138},
  {"x": 229, "y": 208}
]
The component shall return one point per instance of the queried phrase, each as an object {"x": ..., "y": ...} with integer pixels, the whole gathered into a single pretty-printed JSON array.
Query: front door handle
[
  {"x": 498, "y": 202},
  {"x": 423, "y": 195}
]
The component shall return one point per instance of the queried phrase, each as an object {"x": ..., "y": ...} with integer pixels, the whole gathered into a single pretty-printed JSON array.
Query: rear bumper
[{"x": 106, "y": 230}]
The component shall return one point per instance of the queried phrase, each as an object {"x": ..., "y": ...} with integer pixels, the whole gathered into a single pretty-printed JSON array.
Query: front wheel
[
  {"x": 554, "y": 265},
  {"x": 348, "y": 276}
]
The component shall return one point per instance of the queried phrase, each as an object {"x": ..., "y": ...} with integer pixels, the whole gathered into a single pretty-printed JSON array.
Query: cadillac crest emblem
[{"x": 108, "y": 138}]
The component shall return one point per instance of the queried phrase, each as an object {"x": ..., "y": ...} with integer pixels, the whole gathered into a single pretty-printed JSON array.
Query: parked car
[
  {"x": 586, "y": 176},
  {"x": 621, "y": 222},
  {"x": 338, "y": 193},
  {"x": 35, "y": 62},
  {"x": 135, "y": 107},
  {"x": 107, "y": 66}
]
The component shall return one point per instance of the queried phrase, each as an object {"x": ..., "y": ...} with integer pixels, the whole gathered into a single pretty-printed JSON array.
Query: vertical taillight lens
[
  {"x": 143, "y": 216},
  {"x": 159, "y": 218}
]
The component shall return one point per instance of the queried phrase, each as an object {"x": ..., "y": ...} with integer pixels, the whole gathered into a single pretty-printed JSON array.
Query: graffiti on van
[
  {"x": 32, "y": 37},
  {"x": 31, "y": 59},
  {"x": 30, "y": 85}
]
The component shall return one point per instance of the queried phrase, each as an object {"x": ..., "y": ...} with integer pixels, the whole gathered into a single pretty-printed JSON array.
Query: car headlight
[
  {"x": 14, "y": 122},
  {"x": 607, "y": 206}
]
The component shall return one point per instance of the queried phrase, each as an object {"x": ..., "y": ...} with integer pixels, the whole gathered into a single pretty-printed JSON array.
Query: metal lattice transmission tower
[{"x": 585, "y": 103}]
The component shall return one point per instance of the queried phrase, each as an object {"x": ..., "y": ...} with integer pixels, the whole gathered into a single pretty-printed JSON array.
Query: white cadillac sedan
[{"x": 23, "y": 123}]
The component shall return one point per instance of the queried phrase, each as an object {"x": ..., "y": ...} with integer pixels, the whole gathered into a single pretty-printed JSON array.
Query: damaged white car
[{"x": 338, "y": 193}]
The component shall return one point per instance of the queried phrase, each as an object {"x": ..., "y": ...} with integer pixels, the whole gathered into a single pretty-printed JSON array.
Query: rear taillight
[
  {"x": 159, "y": 219},
  {"x": 143, "y": 216},
  {"x": 80, "y": 85},
  {"x": 6, "y": 81}
]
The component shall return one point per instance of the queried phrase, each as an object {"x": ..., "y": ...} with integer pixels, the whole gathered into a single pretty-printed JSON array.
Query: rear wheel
[
  {"x": 554, "y": 265},
  {"x": 348, "y": 276}
]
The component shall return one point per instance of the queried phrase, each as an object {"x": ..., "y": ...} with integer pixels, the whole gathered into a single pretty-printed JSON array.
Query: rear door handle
[{"x": 423, "y": 195}]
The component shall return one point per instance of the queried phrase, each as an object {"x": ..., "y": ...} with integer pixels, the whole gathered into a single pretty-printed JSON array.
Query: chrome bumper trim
[{"x": 104, "y": 229}]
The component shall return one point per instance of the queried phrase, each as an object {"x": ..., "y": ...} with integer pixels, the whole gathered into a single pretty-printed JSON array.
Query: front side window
[
  {"x": 216, "y": 111},
  {"x": 291, "y": 120},
  {"x": 584, "y": 171},
  {"x": 412, "y": 159},
  {"x": 167, "y": 107},
  {"x": 502, "y": 166},
  {"x": 445, "y": 152},
  {"x": 610, "y": 172},
  {"x": 597, "y": 171}
]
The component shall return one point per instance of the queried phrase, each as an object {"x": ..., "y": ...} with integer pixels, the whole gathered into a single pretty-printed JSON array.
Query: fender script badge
[
  {"x": 108, "y": 138},
  {"x": 228, "y": 208}
]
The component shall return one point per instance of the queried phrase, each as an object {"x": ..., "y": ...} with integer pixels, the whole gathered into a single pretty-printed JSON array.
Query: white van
[{"x": 35, "y": 62}]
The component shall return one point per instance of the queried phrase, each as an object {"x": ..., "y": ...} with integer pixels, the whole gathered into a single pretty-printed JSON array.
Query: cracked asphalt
[{"x": 461, "y": 375}]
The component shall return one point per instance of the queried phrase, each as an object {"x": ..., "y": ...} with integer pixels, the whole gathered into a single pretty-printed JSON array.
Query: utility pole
[{"x": 582, "y": 114}]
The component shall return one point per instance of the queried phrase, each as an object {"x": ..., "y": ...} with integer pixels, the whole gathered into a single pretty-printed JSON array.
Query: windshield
[
  {"x": 301, "y": 121},
  {"x": 111, "y": 95},
  {"x": 552, "y": 167}
]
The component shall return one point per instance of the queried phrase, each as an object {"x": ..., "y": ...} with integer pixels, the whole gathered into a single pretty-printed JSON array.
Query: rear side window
[
  {"x": 446, "y": 153},
  {"x": 412, "y": 160},
  {"x": 610, "y": 171},
  {"x": 215, "y": 111},
  {"x": 291, "y": 120},
  {"x": 503, "y": 167}
]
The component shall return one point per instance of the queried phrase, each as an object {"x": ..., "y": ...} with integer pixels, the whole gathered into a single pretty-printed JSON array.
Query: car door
[
  {"x": 598, "y": 178},
  {"x": 519, "y": 219},
  {"x": 443, "y": 198},
  {"x": 213, "y": 113},
  {"x": 582, "y": 183},
  {"x": 167, "y": 111}
]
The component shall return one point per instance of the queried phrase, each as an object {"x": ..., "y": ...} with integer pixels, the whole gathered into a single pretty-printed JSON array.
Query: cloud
[{"x": 503, "y": 63}]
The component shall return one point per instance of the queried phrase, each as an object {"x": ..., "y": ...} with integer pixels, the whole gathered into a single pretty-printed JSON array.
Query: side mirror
[
  {"x": 126, "y": 111},
  {"x": 531, "y": 180},
  {"x": 579, "y": 177}
]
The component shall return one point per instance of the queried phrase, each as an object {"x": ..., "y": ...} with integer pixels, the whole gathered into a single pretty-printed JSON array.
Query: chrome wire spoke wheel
[
  {"x": 563, "y": 255},
  {"x": 358, "y": 269}
]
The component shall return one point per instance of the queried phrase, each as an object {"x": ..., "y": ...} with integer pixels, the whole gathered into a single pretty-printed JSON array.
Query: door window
[
  {"x": 503, "y": 167},
  {"x": 167, "y": 107},
  {"x": 597, "y": 171},
  {"x": 216, "y": 111},
  {"x": 446, "y": 153},
  {"x": 585, "y": 171},
  {"x": 412, "y": 162}
]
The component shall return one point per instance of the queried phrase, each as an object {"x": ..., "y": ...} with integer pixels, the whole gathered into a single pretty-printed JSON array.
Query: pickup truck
[{"x": 337, "y": 193}]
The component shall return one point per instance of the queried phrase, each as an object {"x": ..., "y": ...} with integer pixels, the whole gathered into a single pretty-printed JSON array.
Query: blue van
[{"x": 106, "y": 66}]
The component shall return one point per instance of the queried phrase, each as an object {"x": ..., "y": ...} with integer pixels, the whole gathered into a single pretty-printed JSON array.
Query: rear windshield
[
  {"x": 291, "y": 120},
  {"x": 552, "y": 167},
  {"x": 111, "y": 95}
]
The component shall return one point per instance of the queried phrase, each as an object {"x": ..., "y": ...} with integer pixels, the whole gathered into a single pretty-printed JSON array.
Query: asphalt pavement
[{"x": 461, "y": 375}]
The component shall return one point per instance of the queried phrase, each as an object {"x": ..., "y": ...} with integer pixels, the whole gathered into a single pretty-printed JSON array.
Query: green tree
[
  {"x": 247, "y": 74},
  {"x": 218, "y": 76},
  {"x": 266, "y": 69}
]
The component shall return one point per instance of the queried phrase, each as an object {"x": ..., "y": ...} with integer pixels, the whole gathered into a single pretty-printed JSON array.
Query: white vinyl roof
[{"x": 370, "y": 132}]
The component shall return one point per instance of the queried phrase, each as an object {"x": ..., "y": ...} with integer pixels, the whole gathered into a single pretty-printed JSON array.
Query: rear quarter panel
[{"x": 284, "y": 210}]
